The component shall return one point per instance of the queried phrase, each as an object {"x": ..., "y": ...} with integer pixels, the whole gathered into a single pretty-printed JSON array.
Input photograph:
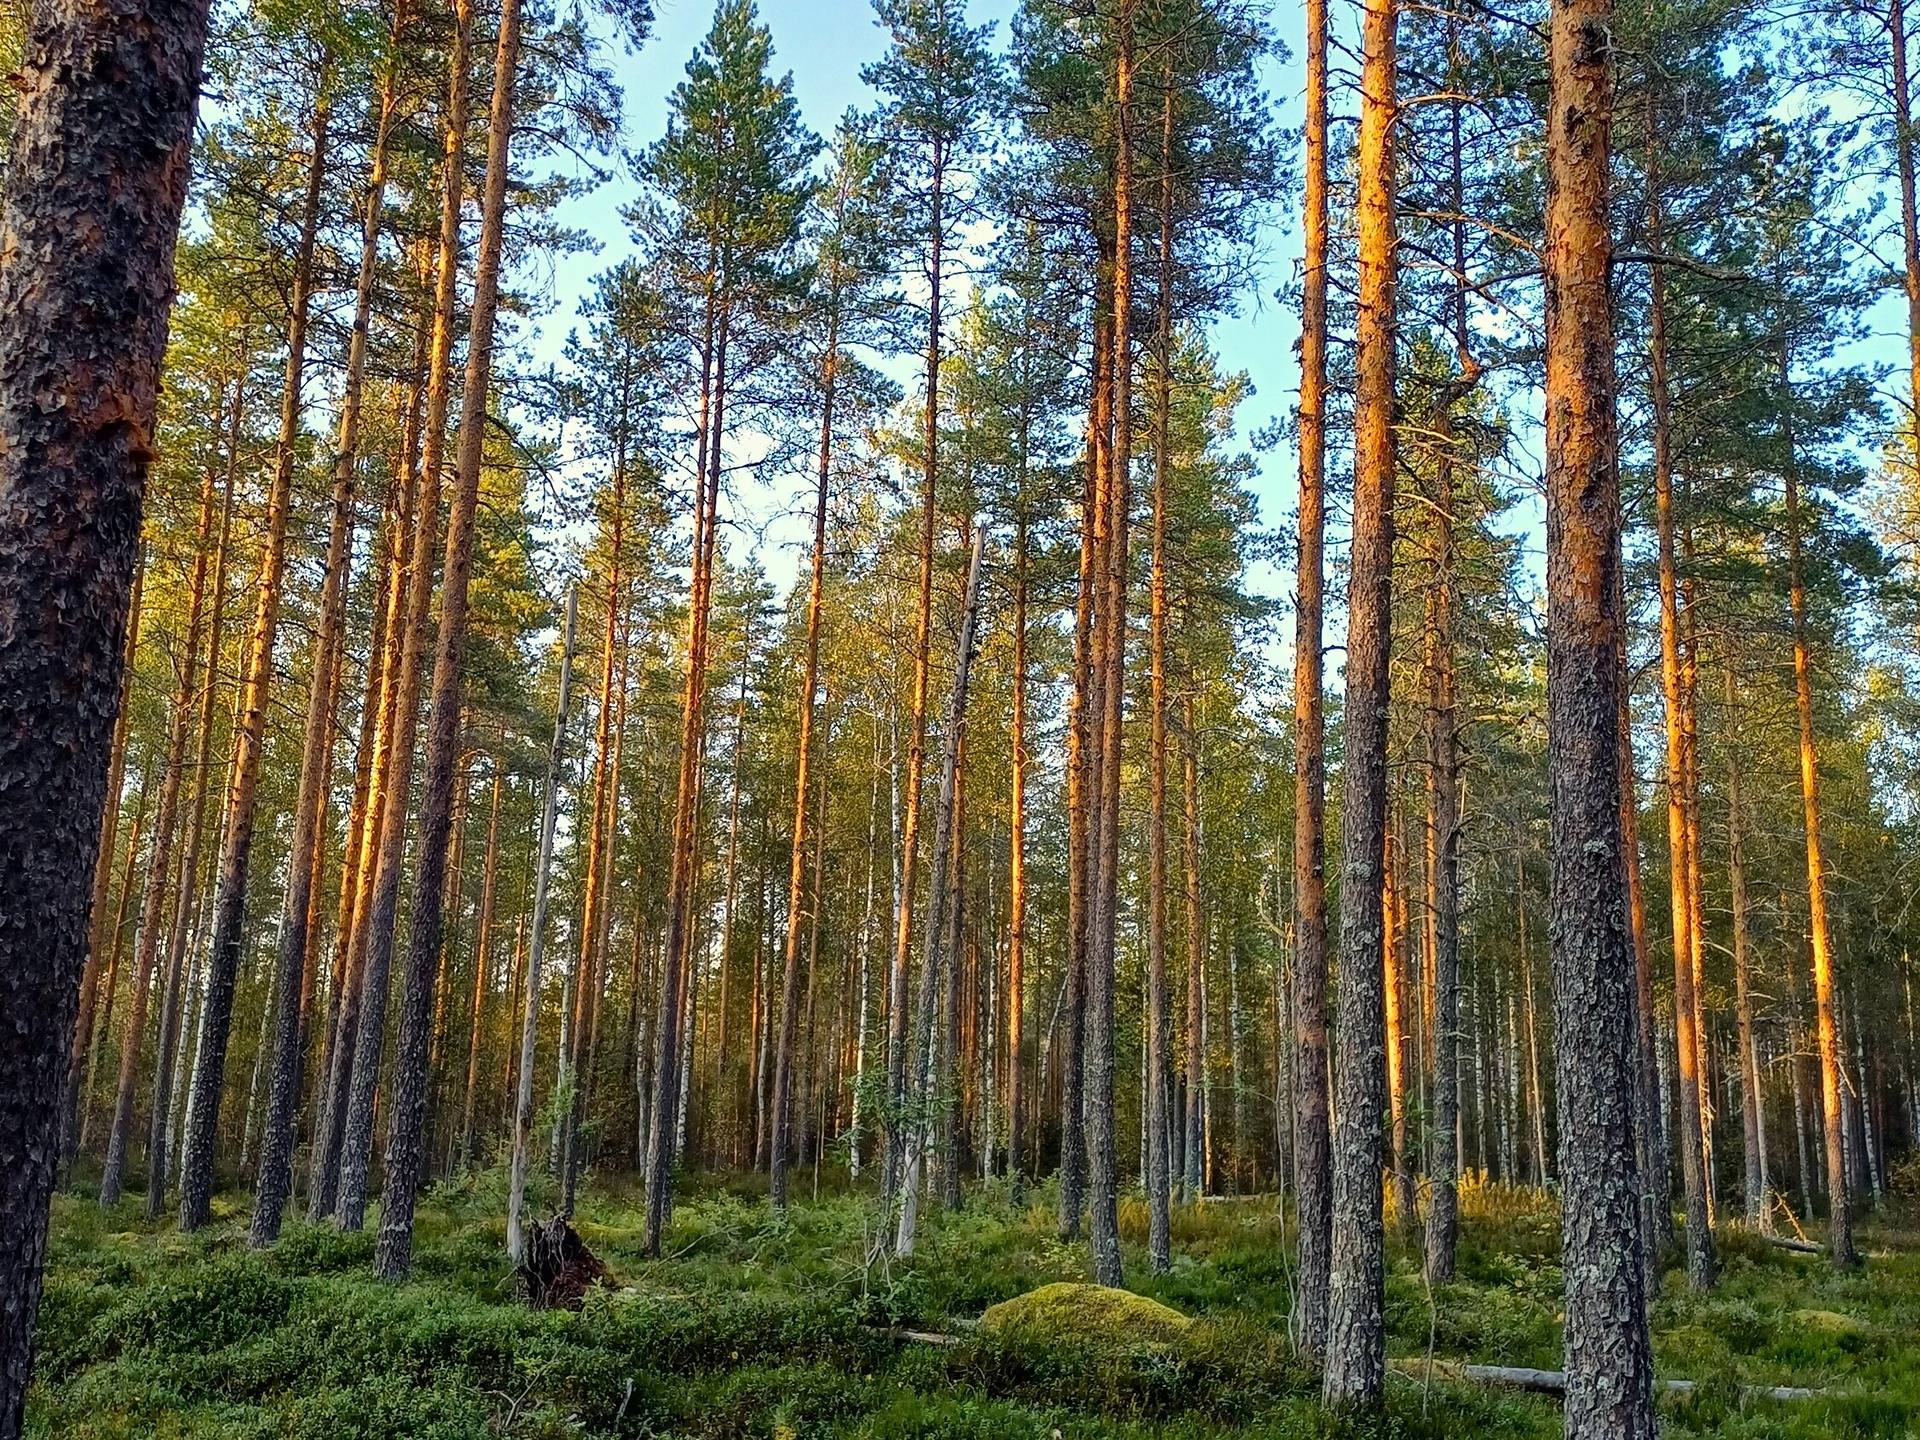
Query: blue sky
[{"x": 825, "y": 45}]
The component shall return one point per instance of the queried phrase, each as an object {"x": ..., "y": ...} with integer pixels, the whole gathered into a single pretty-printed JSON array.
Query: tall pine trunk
[
  {"x": 1110, "y": 653},
  {"x": 94, "y": 185},
  {"x": 1700, "y": 1250},
  {"x": 1158, "y": 1178},
  {"x": 276, "y": 1157},
  {"x": 1356, "y": 1324},
  {"x": 802, "y": 769},
  {"x": 1819, "y": 933},
  {"x": 223, "y": 958},
  {"x": 1609, "y": 1364},
  {"x": 383, "y": 900},
  {"x": 407, "y": 1115},
  {"x": 1312, "y": 1135}
]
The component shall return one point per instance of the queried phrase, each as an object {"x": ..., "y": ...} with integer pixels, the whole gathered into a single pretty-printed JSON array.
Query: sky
[{"x": 824, "y": 44}]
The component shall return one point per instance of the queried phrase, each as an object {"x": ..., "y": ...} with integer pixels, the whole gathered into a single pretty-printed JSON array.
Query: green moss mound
[{"x": 1091, "y": 1314}]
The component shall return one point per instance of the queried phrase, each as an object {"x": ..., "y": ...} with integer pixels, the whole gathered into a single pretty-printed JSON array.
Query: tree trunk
[
  {"x": 187, "y": 898},
  {"x": 406, "y": 1132},
  {"x": 536, "y": 952},
  {"x": 96, "y": 177},
  {"x": 683, "y": 876},
  {"x": 1442, "y": 839},
  {"x": 898, "y": 1127},
  {"x": 1393, "y": 921},
  {"x": 1608, "y": 1359},
  {"x": 98, "y": 909},
  {"x": 1356, "y": 1326},
  {"x": 382, "y": 904},
  {"x": 1312, "y": 1134},
  {"x": 1110, "y": 645},
  {"x": 1909, "y": 223},
  {"x": 921, "y": 1097},
  {"x": 159, "y": 871},
  {"x": 276, "y": 1158},
  {"x": 229, "y": 916},
  {"x": 802, "y": 767},
  {"x": 1753, "y": 1118},
  {"x": 1840, "y": 1234},
  {"x": 372, "y": 782},
  {"x": 1158, "y": 1181},
  {"x": 1082, "y": 779},
  {"x": 1193, "y": 1182},
  {"x": 1017, "y": 1158},
  {"x": 1701, "y": 1263},
  {"x": 467, "y": 1153},
  {"x": 1650, "y": 1117}
]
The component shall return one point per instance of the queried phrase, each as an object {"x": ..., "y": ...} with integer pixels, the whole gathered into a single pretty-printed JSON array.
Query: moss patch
[{"x": 1091, "y": 1314}]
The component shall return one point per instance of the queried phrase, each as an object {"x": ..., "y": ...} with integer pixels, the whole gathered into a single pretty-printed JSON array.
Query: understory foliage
[{"x": 754, "y": 1326}]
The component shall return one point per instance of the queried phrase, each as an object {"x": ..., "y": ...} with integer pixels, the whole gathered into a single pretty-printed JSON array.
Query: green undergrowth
[{"x": 752, "y": 1325}]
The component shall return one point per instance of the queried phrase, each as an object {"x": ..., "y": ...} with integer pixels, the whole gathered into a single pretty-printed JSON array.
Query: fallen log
[
  {"x": 1799, "y": 1247},
  {"x": 1554, "y": 1382}
]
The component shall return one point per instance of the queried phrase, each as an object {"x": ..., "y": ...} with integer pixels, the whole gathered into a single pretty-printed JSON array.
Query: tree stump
[{"x": 558, "y": 1268}]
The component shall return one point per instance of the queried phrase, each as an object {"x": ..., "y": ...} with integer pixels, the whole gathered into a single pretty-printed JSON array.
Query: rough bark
[
  {"x": 1356, "y": 1324},
  {"x": 1609, "y": 1391},
  {"x": 96, "y": 177}
]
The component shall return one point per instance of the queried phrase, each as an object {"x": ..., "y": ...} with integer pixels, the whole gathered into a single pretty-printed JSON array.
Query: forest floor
[{"x": 755, "y": 1327}]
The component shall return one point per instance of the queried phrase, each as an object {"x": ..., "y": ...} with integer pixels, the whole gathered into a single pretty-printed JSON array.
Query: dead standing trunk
[
  {"x": 1609, "y": 1363},
  {"x": 921, "y": 1097},
  {"x": 536, "y": 952},
  {"x": 95, "y": 181}
]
